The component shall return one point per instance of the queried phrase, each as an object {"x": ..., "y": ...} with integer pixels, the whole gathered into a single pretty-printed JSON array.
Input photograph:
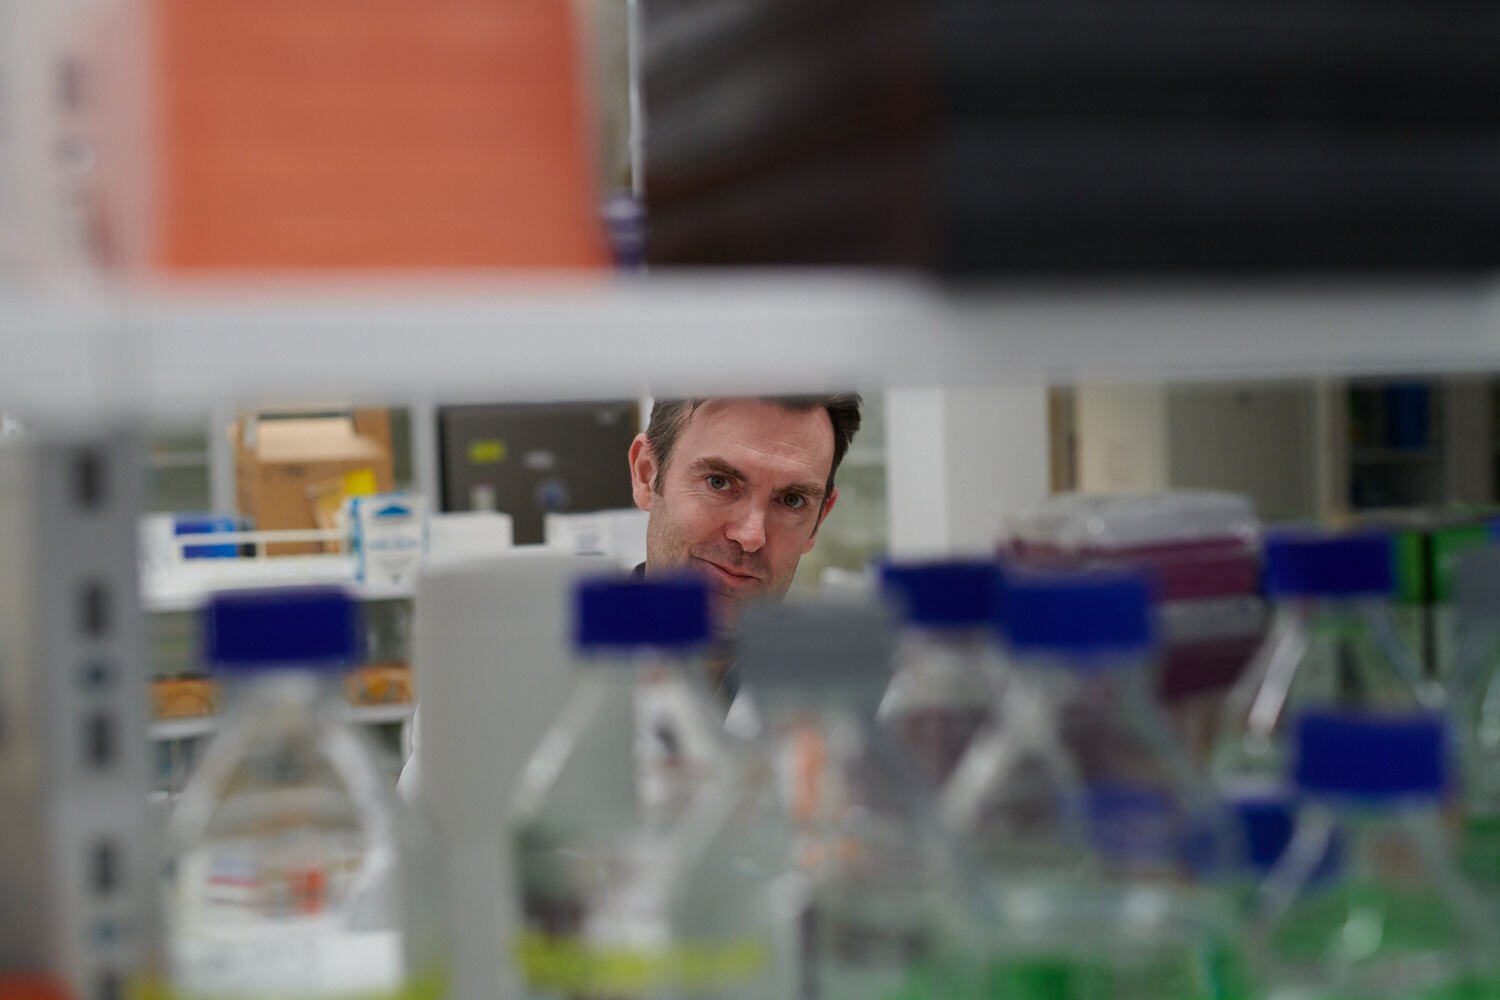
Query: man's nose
[{"x": 748, "y": 526}]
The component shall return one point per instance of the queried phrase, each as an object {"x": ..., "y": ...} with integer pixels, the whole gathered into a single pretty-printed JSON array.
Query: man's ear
[
  {"x": 642, "y": 472},
  {"x": 833, "y": 496}
]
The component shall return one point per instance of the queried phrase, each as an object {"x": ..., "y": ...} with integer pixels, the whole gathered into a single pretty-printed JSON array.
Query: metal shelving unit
[
  {"x": 101, "y": 356},
  {"x": 75, "y": 851},
  {"x": 166, "y": 730},
  {"x": 177, "y": 350}
]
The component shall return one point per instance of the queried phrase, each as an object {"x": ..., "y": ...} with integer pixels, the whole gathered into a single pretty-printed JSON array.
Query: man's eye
[
  {"x": 718, "y": 483},
  {"x": 796, "y": 501}
]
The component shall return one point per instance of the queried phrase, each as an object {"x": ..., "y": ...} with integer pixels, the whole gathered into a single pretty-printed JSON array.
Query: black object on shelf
[
  {"x": 529, "y": 460},
  {"x": 986, "y": 136}
]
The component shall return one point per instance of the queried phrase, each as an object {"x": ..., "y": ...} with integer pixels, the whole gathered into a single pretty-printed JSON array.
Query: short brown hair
[{"x": 670, "y": 416}]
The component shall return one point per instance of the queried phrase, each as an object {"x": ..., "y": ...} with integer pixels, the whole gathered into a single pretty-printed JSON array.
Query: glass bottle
[
  {"x": 292, "y": 872},
  {"x": 1365, "y": 902},
  {"x": 1332, "y": 643},
  {"x": 947, "y": 679},
  {"x": 1102, "y": 846},
  {"x": 1476, "y": 716}
]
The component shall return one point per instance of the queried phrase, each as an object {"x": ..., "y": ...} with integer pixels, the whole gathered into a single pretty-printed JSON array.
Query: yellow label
[
  {"x": 487, "y": 452},
  {"x": 361, "y": 483},
  {"x": 568, "y": 965},
  {"x": 426, "y": 988}
]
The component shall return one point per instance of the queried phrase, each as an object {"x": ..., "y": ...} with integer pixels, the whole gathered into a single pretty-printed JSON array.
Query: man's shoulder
[{"x": 639, "y": 571}]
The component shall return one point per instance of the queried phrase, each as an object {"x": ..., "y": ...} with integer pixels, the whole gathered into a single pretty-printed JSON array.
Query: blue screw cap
[
  {"x": 310, "y": 627},
  {"x": 943, "y": 594},
  {"x": 1321, "y": 564},
  {"x": 639, "y": 612},
  {"x": 1371, "y": 756},
  {"x": 1092, "y": 614}
]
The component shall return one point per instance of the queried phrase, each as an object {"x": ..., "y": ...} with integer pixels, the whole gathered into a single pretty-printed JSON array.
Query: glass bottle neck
[
  {"x": 1347, "y": 650},
  {"x": 628, "y": 670},
  {"x": 1393, "y": 841},
  {"x": 1354, "y": 611},
  {"x": 943, "y": 666},
  {"x": 314, "y": 688},
  {"x": 839, "y": 706},
  {"x": 1126, "y": 677},
  {"x": 971, "y": 640}
]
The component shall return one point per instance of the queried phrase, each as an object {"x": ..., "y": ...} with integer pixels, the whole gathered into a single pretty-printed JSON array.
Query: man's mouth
[{"x": 729, "y": 577}]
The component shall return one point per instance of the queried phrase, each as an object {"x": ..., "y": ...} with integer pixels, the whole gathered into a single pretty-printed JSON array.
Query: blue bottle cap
[
  {"x": 206, "y": 524},
  {"x": 671, "y": 612},
  {"x": 950, "y": 593},
  {"x": 1321, "y": 564},
  {"x": 310, "y": 627},
  {"x": 1092, "y": 614},
  {"x": 1371, "y": 756},
  {"x": 1265, "y": 823}
]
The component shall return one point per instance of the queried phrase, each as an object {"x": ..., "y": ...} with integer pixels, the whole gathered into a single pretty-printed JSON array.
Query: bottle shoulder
[
  {"x": 621, "y": 756},
  {"x": 1372, "y": 893},
  {"x": 268, "y": 772}
]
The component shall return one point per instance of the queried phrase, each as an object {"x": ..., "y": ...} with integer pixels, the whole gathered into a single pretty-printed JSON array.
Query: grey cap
[
  {"x": 817, "y": 644},
  {"x": 1476, "y": 584}
]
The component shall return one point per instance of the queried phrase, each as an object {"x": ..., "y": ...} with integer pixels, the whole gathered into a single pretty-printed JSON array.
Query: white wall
[
  {"x": 1260, "y": 440},
  {"x": 1122, "y": 440},
  {"x": 957, "y": 460}
]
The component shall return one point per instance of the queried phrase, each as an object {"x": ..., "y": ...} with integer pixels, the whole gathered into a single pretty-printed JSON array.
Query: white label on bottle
[
  {"x": 287, "y": 960},
  {"x": 271, "y": 918}
]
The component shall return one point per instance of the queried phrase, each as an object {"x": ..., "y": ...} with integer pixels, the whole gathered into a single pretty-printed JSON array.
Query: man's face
[{"x": 740, "y": 499}]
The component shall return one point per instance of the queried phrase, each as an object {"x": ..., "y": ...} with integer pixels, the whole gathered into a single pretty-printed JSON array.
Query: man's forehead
[{"x": 748, "y": 430}]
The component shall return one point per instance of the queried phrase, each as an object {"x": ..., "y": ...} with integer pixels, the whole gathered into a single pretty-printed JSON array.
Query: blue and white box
[{"x": 388, "y": 535}]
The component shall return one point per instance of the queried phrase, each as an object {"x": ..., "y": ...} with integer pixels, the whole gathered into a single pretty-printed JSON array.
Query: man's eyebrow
[
  {"x": 716, "y": 467},
  {"x": 810, "y": 490}
]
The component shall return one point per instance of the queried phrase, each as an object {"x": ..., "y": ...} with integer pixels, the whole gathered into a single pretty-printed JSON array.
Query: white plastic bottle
[
  {"x": 289, "y": 874},
  {"x": 947, "y": 676},
  {"x": 624, "y": 890}
]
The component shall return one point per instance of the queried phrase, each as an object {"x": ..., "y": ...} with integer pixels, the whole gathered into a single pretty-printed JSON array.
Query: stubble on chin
[{"x": 724, "y": 612}]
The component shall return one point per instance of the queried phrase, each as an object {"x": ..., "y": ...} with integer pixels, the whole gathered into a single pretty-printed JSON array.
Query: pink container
[{"x": 1201, "y": 549}]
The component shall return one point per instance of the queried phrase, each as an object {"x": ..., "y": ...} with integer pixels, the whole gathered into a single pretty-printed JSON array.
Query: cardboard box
[{"x": 287, "y": 469}]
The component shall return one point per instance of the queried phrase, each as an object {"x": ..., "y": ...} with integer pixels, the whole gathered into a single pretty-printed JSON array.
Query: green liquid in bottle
[
  {"x": 1392, "y": 943},
  {"x": 1111, "y": 974}
]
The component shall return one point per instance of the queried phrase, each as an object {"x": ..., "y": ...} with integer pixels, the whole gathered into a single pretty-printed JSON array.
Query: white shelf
[
  {"x": 380, "y": 715},
  {"x": 187, "y": 586},
  {"x": 179, "y": 350},
  {"x": 167, "y": 730}
]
